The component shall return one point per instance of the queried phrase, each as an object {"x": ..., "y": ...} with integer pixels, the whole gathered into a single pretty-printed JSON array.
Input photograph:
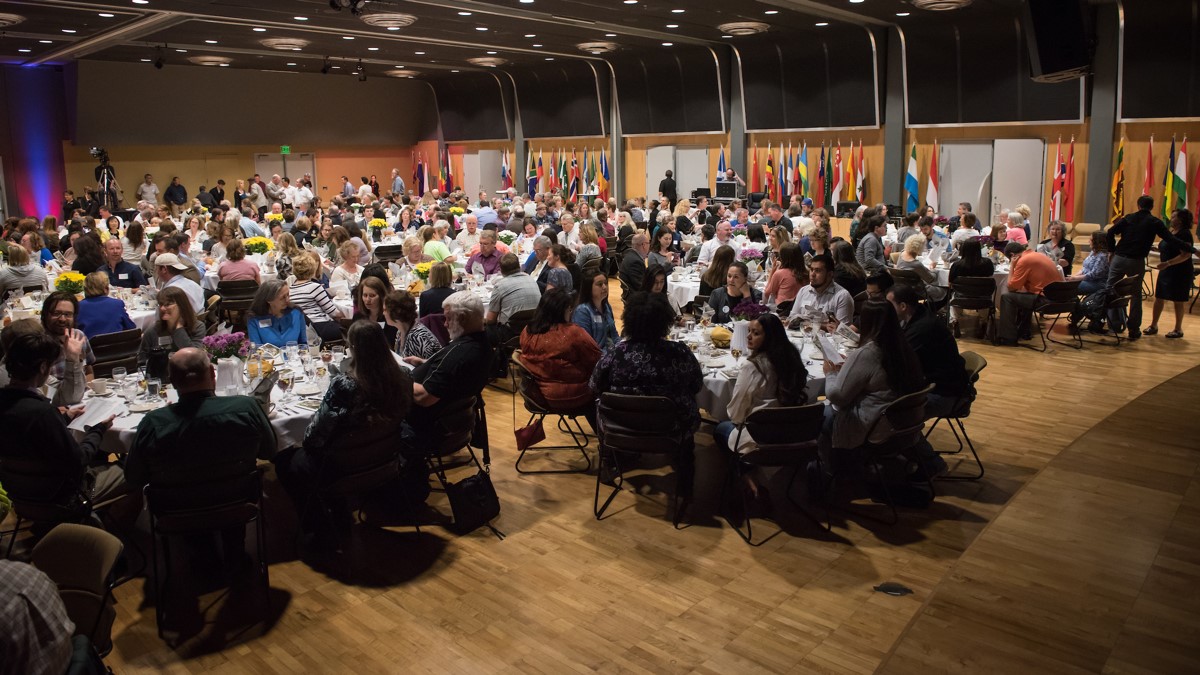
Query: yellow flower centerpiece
[
  {"x": 377, "y": 224},
  {"x": 71, "y": 282},
  {"x": 274, "y": 216},
  {"x": 422, "y": 270},
  {"x": 258, "y": 245},
  {"x": 457, "y": 210}
]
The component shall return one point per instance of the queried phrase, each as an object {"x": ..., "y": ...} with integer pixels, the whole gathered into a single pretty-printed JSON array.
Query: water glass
[
  {"x": 291, "y": 350},
  {"x": 118, "y": 375},
  {"x": 153, "y": 387},
  {"x": 339, "y": 353}
]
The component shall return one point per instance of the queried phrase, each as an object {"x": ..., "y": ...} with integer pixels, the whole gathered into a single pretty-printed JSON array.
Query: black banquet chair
[{"x": 634, "y": 426}]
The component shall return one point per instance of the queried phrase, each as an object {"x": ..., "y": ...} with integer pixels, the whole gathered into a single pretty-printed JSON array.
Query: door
[
  {"x": 692, "y": 172},
  {"x": 659, "y": 159},
  {"x": 293, "y": 166},
  {"x": 488, "y": 166},
  {"x": 267, "y": 165},
  {"x": 1018, "y": 171},
  {"x": 964, "y": 175}
]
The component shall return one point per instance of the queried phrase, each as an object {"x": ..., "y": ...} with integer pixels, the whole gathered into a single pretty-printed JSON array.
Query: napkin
[
  {"x": 261, "y": 387},
  {"x": 721, "y": 337}
]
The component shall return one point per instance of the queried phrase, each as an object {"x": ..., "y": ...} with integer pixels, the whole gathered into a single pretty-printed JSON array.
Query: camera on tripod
[{"x": 100, "y": 154}]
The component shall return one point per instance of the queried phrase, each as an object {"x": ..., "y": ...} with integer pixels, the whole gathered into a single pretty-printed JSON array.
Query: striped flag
[
  {"x": 506, "y": 180},
  {"x": 1068, "y": 207},
  {"x": 1180, "y": 187},
  {"x": 839, "y": 178},
  {"x": 754, "y": 171},
  {"x": 1148, "y": 180},
  {"x": 426, "y": 184},
  {"x": 721, "y": 163},
  {"x": 416, "y": 165},
  {"x": 931, "y": 188},
  {"x": 783, "y": 180},
  {"x": 573, "y": 176},
  {"x": 1168, "y": 199},
  {"x": 1056, "y": 183},
  {"x": 802, "y": 172},
  {"x": 820, "y": 192},
  {"x": 860, "y": 187},
  {"x": 769, "y": 174},
  {"x": 832, "y": 197},
  {"x": 911, "y": 183},
  {"x": 541, "y": 172},
  {"x": 603, "y": 178},
  {"x": 1117, "y": 192}
]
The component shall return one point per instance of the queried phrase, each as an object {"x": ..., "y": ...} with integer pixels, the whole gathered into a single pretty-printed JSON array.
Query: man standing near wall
[
  {"x": 176, "y": 196},
  {"x": 148, "y": 191}
]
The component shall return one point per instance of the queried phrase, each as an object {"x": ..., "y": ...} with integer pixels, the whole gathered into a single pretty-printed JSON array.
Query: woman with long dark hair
[
  {"x": 774, "y": 375},
  {"x": 847, "y": 273},
  {"x": 714, "y": 276},
  {"x": 559, "y": 354},
  {"x": 970, "y": 264},
  {"x": 176, "y": 321},
  {"x": 593, "y": 313},
  {"x": 882, "y": 369},
  {"x": 788, "y": 276},
  {"x": 370, "y": 396}
]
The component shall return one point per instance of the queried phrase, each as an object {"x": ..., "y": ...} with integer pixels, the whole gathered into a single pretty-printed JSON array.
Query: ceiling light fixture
[
  {"x": 144, "y": 60},
  {"x": 393, "y": 28},
  {"x": 549, "y": 58},
  {"x": 224, "y": 65},
  {"x": 481, "y": 28},
  {"x": 210, "y": 42},
  {"x": 26, "y": 51},
  {"x": 372, "y": 49},
  {"x": 419, "y": 53},
  {"x": 46, "y": 42},
  {"x": 902, "y": 13},
  {"x": 463, "y": 14},
  {"x": 771, "y": 12},
  {"x": 141, "y": 2},
  {"x": 535, "y": 45},
  {"x": 454, "y": 71},
  {"x": 599, "y": 47},
  {"x": 181, "y": 51},
  {"x": 210, "y": 60},
  {"x": 384, "y": 19},
  {"x": 7, "y": 20},
  {"x": 668, "y": 44},
  {"x": 678, "y": 11},
  {"x": 857, "y": 2},
  {"x": 68, "y": 31},
  {"x": 940, "y": 5},
  {"x": 284, "y": 44},
  {"x": 526, "y": 2},
  {"x": 487, "y": 61},
  {"x": 291, "y": 64},
  {"x": 610, "y": 35},
  {"x": 106, "y": 15},
  {"x": 491, "y": 52},
  {"x": 822, "y": 24},
  {"x": 347, "y": 37},
  {"x": 741, "y": 28},
  {"x": 300, "y": 18},
  {"x": 259, "y": 30},
  {"x": 530, "y": 35}
]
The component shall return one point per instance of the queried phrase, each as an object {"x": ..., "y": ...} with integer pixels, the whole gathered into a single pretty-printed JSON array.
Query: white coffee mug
[{"x": 99, "y": 386}]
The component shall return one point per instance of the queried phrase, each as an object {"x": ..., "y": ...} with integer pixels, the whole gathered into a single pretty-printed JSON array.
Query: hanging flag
[
  {"x": 754, "y": 171},
  {"x": 1068, "y": 208},
  {"x": 1180, "y": 187},
  {"x": 790, "y": 176},
  {"x": 541, "y": 174},
  {"x": 1148, "y": 180},
  {"x": 721, "y": 163},
  {"x": 911, "y": 183},
  {"x": 426, "y": 184},
  {"x": 851, "y": 174},
  {"x": 1117, "y": 192},
  {"x": 603, "y": 178},
  {"x": 860, "y": 188},
  {"x": 769, "y": 174},
  {"x": 1056, "y": 183},
  {"x": 562, "y": 173},
  {"x": 416, "y": 165},
  {"x": 802, "y": 172},
  {"x": 1168, "y": 199},
  {"x": 931, "y": 188},
  {"x": 839, "y": 178},
  {"x": 820, "y": 200},
  {"x": 573, "y": 177},
  {"x": 505, "y": 174},
  {"x": 419, "y": 177},
  {"x": 531, "y": 174},
  {"x": 783, "y": 179},
  {"x": 591, "y": 172},
  {"x": 830, "y": 196}
]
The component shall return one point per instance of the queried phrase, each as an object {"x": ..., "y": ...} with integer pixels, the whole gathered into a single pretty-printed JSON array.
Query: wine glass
[
  {"x": 118, "y": 375},
  {"x": 737, "y": 354},
  {"x": 286, "y": 378}
]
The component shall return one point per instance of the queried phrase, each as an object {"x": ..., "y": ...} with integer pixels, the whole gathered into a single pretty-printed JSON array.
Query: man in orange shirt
[{"x": 1030, "y": 273}]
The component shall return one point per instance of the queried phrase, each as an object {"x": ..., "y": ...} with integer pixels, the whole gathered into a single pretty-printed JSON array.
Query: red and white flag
[
  {"x": 1056, "y": 183},
  {"x": 931, "y": 189},
  {"x": 1068, "y": 204},
  {"x": 1148, "y": 182}
]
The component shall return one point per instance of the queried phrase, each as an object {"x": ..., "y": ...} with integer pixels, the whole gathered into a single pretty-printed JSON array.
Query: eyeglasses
[
  {"x": 168, "y": 303},
  {"x": 62, "y": 315}
]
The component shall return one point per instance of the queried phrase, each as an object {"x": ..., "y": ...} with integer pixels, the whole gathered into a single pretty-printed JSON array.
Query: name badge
[
  {"x": 264, "y": 323},
  {"x": 164, "y": 341},
  {"x": 123, "y": 276}
]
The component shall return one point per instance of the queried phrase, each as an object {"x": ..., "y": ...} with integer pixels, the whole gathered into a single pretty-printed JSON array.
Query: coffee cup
[{"x": 99, "y": 386}]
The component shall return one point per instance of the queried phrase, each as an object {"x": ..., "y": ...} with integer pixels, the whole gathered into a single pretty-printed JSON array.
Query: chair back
[
  {"x": 362, "y": 448},
  {"x": 80, "y": 560},
  {"x": 178, "y": 505},
  {"x": 974, "y": 364},
  {"x": 237, "y": 289},
  {"x": 591, "y": 268},
  {"x": 518, "y": 320},
  {"x": 1060, "y": 297},
  {"x": 859, "y": 301},
  {"x": 640, "y": 424},
  {"x": 975, "y": 287},
  {"x": 436, "y": 323},
  {"x": 42, "y": 492},
  {"x": 1122, "y": 292},
  {"x": 906, "y": 277},
  {"x": 116, "y": 350},
  {"x": 387, "y": 254},
  {"x": 782, "y": 434}
]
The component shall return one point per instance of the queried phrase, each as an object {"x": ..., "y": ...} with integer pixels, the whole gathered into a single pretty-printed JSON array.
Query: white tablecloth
[
  {"x": 683, "y": 291},
  {"x": 1001, "y": 277},
  {"x": 143, "y": 318}
]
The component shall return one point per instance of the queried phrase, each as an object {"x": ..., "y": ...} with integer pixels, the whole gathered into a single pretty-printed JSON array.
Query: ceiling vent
[
  {"x": 739, "y": 28},
  {"x": 401, "y": 73},
  {"x": 285, "y": 44},
  {"x": 7, "y": 20},
  {"x": 387, "y": 19},
  {"x": 598, "y": 47},
  {"x": 210, "y": 60},
  {"x": 488, "y": 61},
  {"x": 940, "y": 5}
]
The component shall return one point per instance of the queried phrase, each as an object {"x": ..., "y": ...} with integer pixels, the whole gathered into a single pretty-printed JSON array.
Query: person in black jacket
[
  {"x": 936, "y": 349},
  {"x": 666, "y": 187},
  {"x": 175, "y": 197},
  {"x": 37, "y": 430}
]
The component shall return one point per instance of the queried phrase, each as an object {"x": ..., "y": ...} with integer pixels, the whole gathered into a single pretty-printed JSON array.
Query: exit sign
[{"x": 285, "y": 149}]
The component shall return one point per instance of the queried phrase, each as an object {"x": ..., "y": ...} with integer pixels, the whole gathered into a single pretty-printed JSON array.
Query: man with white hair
[
  {"x": 724, "y": 233},
  {"x": 456, "y": 372},
  {"x": 469, "y": 237},
  {"x": 569, "y": 236},
  {"x": 397, "y": 184}
]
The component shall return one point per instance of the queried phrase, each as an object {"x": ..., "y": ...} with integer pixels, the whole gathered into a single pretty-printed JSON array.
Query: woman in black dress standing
[{"x": 1175, "y": 274}]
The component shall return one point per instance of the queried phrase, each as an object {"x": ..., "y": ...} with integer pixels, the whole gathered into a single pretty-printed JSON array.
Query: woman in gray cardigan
[{"x": 882, "y": 369}]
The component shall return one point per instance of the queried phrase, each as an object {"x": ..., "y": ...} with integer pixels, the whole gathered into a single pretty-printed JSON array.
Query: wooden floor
[{"x": 1077, "y": 552}]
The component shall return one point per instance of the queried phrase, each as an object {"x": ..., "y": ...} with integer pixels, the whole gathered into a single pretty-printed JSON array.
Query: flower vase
[
  {"x": 741, "y": 329},
  {"x": 376, "y": 234},
  {"x": 229, "y": 373}
]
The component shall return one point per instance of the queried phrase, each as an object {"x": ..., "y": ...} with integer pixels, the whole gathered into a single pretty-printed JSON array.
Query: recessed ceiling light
[
  {"x": 822, "y": 24},
  {"x": 347, "y": 37},
  {"x": 106, "y": 15},
  {"x": 480, "y": 27},
  {"x": 210, "y": 42},
  {"x": 678, "y": 11},
  {"x": 771, "y": 11},
  {"x": 26, "y": 51},
  {"x": 672, "y": 25},
  {"x": 295, "y": 49},
  {"x": 491, "y": 52},
  {"x": 336, "y": 67},
  {"x": 141, "y": 2},
  {"x": 393, "y": 27},
  {"x": 454, "y": 71},
  {"x": 300, "y": 18},
  {"x": 419, "y": 53},
  {"x": 526, "y": 2},
  {"x": 46, "y": 42},
  {"x": 462, "y": 14},
  {"x": 372, "y": 49},
  {"x": 610, "y": 35},
  {"x": 726, "y": 37},
  {"x": 668, "y": 44},
  {"x": 401, "y": 66},
  {"x": 68, "y": 30},
  {"x": 530, "y": 35},
  {"x": 856, "y": 2},
  {"x": 902, "y": 13},
  {"x": 181, "y": 51},
  {"x": 145, "y": 60},
  {"x": 631, "y": 2},
  {"x": 259, "y": 30},
  {"x": 224, "y": 65},
  {"x": 549, "y": 58},
  {"x": 537, "y": 45},
  {"x": 291, "y": 64}
]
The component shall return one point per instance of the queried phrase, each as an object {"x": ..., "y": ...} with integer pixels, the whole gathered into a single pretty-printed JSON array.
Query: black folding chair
[
  {"x": 635, "y": 426},
  {"x": 974, "y": 364},
  {"x": 538, "y": 409},
  {"x": 1057, "y": 299},
  {"x": 906, "y": 417},
  {"x": 976, "y": 294},
  {"x": 116, "y": 350}
]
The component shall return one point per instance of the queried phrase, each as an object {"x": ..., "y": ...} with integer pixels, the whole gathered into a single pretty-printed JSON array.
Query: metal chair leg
[
  {"x": 579, "y": 438},
  {"x": 970, "y": 445},
  {"x": 13, "y": 538},
  {"x": 619, "y": 480}
]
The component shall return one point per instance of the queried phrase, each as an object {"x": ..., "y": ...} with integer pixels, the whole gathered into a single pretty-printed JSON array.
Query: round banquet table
[
  {"x": 683, "y": 291},
  {"x": 210, "y": 280}
]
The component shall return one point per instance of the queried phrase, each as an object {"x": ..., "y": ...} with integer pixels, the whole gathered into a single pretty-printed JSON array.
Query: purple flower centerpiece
[
  {"x": 740, "y": 230},
  {"x": 227, "y": 346},
  {"x": 748, "y": 310},
  {"x": 749, "y": 255},
  {"x": 942, "y": 223}
]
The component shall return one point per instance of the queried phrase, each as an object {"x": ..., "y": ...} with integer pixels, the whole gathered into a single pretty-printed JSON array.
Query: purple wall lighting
[{"x": 35, "y": 168}]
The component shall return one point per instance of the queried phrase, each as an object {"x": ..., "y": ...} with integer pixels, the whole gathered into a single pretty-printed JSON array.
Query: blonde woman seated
[
  {"x": 349, "y": 271},
  {"x": 435, "y": 242},
  {"x": 413, "y": 253},
  {"x": 910, "y": 259},
  {"x": 236, "y": 267},
  {"x": 313, "y": 299},
  {"x": 220, "y": 249},
  {"x": 285, "y": 253}
]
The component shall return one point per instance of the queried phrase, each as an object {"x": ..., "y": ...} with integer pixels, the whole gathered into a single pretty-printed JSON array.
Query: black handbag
[{"x": 473, "y": 500}]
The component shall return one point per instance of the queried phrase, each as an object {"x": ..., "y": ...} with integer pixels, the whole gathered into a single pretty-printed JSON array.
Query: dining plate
[{"x": 307, "y": 389}]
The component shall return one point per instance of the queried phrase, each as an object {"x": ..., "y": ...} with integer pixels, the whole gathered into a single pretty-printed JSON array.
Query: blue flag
[{"x": 911, "y": 184}]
